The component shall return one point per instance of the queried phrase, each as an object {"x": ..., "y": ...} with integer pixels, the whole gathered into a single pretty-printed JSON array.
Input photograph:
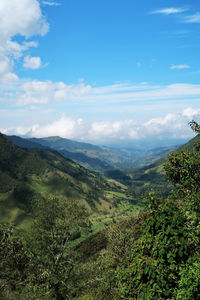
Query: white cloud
[
  {"x": 192, "y": 18},
  {"x": 173, "y": 126},
  {"x": 160, "y": 125},
  {"x": 65, "y": 127},
  {"x": 18, "y": 18},
  {"x": 32, "y": 62},
  {"x": 6, "y": 74},
  {"x": 131, "y": 93},
  {"x": 22, "y": 17},
  {"x": 43, "y": 92},
  {"x": 35, "y": 92},
  {"x": 103, "y": 129},
  {"x": 190, "y": 113},
  {"x": 169, "y": 10},
  {"x": 180, "y": 67},
  {"x": 50, "y": 3},
  {"x": 16, "y": 50},
  {"x": 122, "y": 130}
]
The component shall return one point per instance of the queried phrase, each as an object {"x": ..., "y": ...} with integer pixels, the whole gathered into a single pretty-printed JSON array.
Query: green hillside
[
  {"x": 152, "y": 177},
  {"x": 36, "y": 171},
  {"x": 103, "y": 158},
  {"x": 25, "y": 143},
  {"x": 98, "y": 158},
  {"x": 190, "y": 146},
  {"x": 27, "y": 175}
]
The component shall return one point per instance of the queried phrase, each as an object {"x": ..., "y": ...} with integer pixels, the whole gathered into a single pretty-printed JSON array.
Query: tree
[
  {"x": 41, "y": 263},
  {"x": 57, "y": 224},
  {"x": 183, "y": 168}
]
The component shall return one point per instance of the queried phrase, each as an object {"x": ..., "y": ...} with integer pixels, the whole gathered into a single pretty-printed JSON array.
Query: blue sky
[{"x": 99, "y": 71}]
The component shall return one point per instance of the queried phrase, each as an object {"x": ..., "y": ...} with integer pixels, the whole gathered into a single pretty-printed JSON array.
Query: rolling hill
[{"x": 29, "y": 174}]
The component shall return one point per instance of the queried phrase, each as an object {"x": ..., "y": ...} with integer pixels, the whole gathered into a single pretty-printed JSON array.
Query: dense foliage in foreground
[
  {"x": 153, "y": 256},
  {"x": 159, "y": 257}
]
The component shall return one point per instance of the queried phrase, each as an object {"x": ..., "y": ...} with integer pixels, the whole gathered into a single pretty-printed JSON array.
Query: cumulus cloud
[
  {"x": 65, "y": 127},
  {"x": 171, "y": 126},
  {"x": 123, "y": 130},
  {"x": 18, "y": 18},
  {"x": 169, "y": 11},
  {"x": 180, "y": 67},
  {"x": 22, "y": 17},
  {"x": 160, "y": 125},
  {"x": 190, "y": 113},
  {"x": 32, "y": 62}
]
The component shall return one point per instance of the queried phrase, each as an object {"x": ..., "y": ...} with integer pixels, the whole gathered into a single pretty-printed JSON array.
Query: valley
[
  {"x": 54, "y": 210},
  {"x": 96, "y": 158},
  {"x": 39, "y": 168},
  {"x": 35, "y": 172}
]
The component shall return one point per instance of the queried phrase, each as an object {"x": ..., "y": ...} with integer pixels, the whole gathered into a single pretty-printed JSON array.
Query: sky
[{"x": 100, "y": 70}]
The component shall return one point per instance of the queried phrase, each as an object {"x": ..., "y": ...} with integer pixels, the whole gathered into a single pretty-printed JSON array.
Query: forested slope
[{"x": 26, "y": 175}]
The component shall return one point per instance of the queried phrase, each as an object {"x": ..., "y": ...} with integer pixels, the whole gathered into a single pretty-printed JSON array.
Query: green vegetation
[
  {"x": 96, "y": 158},
  {"x": 92, "y": 240},
  {"x": 157, "y": 255},
  {"x": 27, "y": 175}
]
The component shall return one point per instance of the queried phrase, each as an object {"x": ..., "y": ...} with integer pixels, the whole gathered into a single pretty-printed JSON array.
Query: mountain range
[
  {"x": 36, "y": 168},
  {"x": 93, "y": 157}
]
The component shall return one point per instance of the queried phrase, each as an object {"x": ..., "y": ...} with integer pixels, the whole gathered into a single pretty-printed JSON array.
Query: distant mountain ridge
[
  {"x": 92, "y": 163},
  {"x": 93, "y": 157},
  {"x": 25, "y": 143},
  {"x": 63, "y": 142}
]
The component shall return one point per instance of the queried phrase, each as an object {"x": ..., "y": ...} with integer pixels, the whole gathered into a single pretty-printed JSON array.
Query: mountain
[
  {"x": 33, "y": 171},
  {"x": 62, "y": 143},
  {"x": 88, "y": 162},
  {"x": 30, "y": 174},
  {"x": 152, "y": 177},
  {"x": 102, "y": 158},
  {"x": 98, "y": 158},
  {"x": 25, "y": 143}
]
